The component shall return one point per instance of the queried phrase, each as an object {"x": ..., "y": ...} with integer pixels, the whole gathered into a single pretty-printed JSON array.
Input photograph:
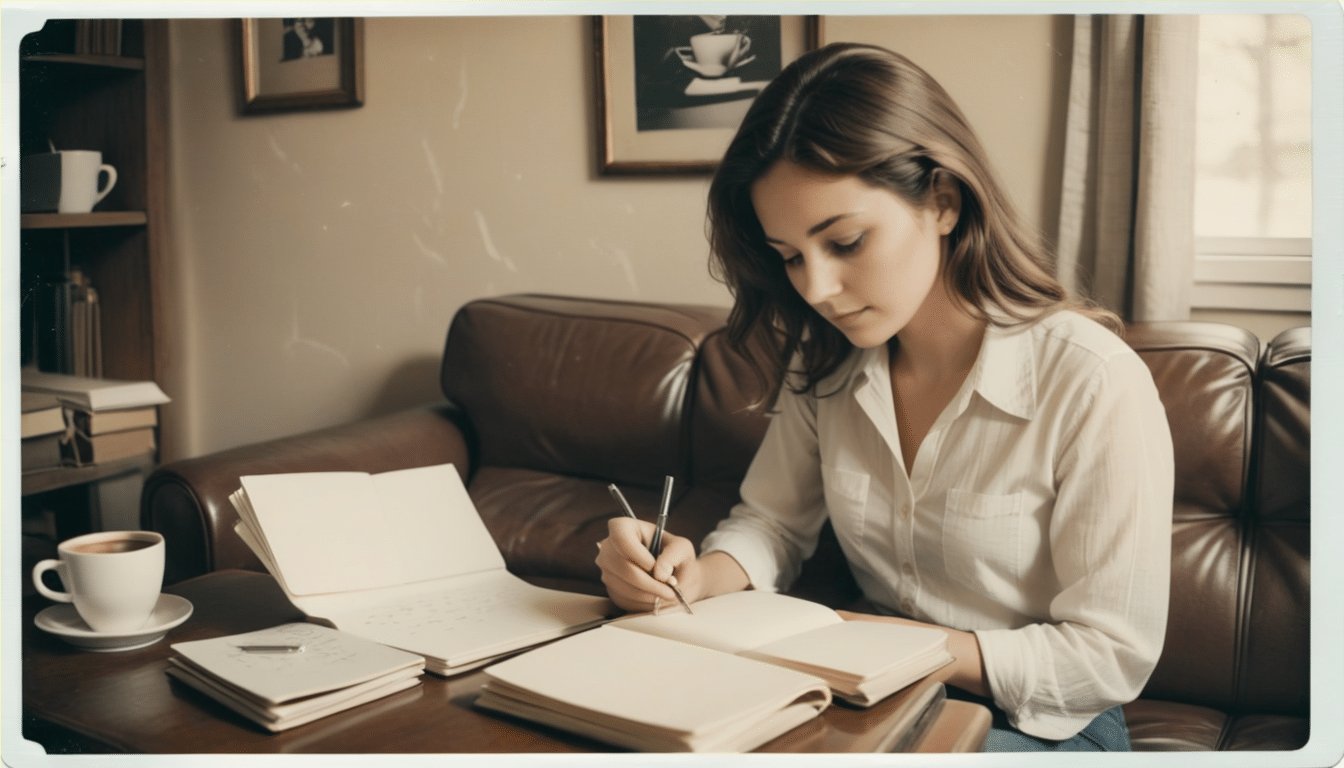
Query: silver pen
[
  {"x": 271, "y": 648},
  {"x": 658, "y": 532}
]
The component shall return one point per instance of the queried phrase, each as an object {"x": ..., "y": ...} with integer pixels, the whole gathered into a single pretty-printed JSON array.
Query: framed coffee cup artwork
[
  {"x": 292, "y": 64},
  {"x": 672, "y": 90}
]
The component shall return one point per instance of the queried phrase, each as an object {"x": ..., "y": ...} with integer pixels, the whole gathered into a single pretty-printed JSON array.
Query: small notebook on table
[
  {"x": 325, "y": 672},
  {"x": 404, "y": 559},
  {"x": 862, "y": 661}
]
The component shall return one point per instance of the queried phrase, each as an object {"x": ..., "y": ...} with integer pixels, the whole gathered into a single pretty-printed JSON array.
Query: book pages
[
  {"x": 652, "y": 693},
  {"x": 736, "y": 621}
]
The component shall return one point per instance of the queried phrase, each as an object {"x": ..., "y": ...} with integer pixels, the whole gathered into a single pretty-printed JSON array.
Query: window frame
[{"x": 1257, "y": 273}]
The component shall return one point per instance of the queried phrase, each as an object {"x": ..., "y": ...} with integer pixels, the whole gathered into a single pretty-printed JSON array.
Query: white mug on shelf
[
  {"x": 66, "y": 181},
  {"x": 113, "y": 577}
]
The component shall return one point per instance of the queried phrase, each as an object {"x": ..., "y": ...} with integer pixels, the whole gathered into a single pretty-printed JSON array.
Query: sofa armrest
[{"x": 188, "y": 500}]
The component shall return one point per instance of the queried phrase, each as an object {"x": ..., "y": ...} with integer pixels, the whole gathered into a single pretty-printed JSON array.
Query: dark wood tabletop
[{"x": 125, "y": 702}]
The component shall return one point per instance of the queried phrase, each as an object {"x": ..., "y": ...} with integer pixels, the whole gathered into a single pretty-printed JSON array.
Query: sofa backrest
[
  {"x": 577, "y": 386},
  {"x": 1237, "y": 628}
]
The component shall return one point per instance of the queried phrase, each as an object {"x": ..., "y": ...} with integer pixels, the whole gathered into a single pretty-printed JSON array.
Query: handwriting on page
[{"x": 445, "y": 611}]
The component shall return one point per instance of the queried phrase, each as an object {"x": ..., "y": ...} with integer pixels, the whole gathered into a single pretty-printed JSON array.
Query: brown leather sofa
[{"x": 549, "y": 399}]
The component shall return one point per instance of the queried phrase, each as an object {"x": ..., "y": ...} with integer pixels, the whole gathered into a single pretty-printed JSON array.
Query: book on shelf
[
  {"x": 101, "y": 422},
  {"x": 99, "y": 449},
  {"x": 43, "y": 430},
  {"x": 862, "y": 661},
  {"x": 43, "y": 414},
  {"x": 98, "y": 36},
  {"x": 43, "y": 452},
  {"x": 652, "y": 694},
  {"x": 93, "y": 394},
  {"x": 402, "y": 558},
  {"x": 259, "y": 674}
]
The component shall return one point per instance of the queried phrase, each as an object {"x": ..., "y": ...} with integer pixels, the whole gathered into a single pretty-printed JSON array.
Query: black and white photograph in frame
[
  {"x": 671, "y": 90},
  {"x": 701, "y": 71},
  {"x": 306, "y": 38},
  {"x": 289, "y": 64}
]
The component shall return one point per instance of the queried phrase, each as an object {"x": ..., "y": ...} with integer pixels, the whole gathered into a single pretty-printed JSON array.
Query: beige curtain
[{"x": 1126, "y": 232}]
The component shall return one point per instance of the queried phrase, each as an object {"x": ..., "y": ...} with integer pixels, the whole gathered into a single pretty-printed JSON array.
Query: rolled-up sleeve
[
  {"x": 1110, "y": 539},
  {"x": 775, "y": 527}
]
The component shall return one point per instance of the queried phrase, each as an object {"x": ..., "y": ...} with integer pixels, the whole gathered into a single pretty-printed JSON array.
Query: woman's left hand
[{"x": 967, "y": 670}]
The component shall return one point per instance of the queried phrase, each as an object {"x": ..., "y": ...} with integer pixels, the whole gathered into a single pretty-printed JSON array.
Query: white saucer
[{"x": 63, "y": 620}]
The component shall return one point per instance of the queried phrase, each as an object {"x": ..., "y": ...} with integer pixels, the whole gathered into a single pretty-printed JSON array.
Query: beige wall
[
  {"x": 322, "y": 255},
  {"x": 319, "y": 257}
]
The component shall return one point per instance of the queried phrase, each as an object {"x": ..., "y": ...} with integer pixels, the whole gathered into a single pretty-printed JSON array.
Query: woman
[{"x": 994, "y": 459}]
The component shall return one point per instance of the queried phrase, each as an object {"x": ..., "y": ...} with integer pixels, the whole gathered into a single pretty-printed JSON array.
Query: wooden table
[{"x": 124, "y": 701}]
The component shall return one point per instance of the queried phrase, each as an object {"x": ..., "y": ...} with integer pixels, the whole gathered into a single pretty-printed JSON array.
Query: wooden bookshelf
[
  {"x": 82, "y": 220},
  {"x": 64, "y": 477},
  {"x": 88, "y": 59},
  {"x": 114, "y": 102}
]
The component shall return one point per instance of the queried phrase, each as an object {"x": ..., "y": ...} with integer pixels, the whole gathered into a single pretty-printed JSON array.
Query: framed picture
[
  {"x": 301, "y": 64},
  {"x": 672, "y": 90}
]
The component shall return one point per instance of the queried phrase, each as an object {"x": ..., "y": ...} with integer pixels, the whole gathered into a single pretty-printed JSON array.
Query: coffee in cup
[
  {"x": 64, "y": 181},
  {"x": 113, "y": 578}
]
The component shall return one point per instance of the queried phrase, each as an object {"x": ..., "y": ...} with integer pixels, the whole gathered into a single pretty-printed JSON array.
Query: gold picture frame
[
  {"x": 290, "y": 65},
  {"x": 685, "y": 124}
]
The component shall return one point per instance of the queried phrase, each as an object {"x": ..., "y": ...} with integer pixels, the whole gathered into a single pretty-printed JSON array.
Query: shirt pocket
[
  {"x": 982, "y": 535},
  {"x": 846, "y": 494}
]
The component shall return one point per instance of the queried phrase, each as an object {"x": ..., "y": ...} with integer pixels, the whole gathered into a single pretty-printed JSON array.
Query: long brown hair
[{"x": 860, "y": 110}]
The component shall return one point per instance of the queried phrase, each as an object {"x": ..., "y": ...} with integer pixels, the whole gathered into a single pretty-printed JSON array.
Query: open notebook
[
  {"x": 862, "y": 661},
  {"x": 652, "y": 694},
  {"x": 401, "y": 558},
  {"x": 741, "y": 670}
]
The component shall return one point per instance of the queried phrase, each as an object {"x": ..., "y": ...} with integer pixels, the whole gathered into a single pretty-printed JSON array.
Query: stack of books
[
  {"x": 103, "y": 419},
  {"x": 293, "y": 674},
  {"x": 43, "y": 430}
]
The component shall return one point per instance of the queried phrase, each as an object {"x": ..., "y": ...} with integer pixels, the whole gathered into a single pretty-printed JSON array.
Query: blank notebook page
[{"x": 344, "y": 531}]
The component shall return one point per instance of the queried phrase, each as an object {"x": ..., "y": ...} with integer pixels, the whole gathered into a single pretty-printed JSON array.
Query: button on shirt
[{"x": 1037, "y": 513}]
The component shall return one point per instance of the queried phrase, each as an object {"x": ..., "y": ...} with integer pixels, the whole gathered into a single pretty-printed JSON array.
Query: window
[{"x": 1253, "y": 163}]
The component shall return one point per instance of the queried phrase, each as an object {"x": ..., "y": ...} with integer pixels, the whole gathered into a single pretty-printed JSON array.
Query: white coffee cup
[
  {"x": 67, "y": 180},
  {"x": 114, "y": 578},
  {"x": 716, "y": 52}
]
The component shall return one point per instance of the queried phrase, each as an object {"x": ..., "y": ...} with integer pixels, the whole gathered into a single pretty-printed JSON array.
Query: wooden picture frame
[
  {"x": 289, "y": 65},
  {"x": 660, "y": 110}
]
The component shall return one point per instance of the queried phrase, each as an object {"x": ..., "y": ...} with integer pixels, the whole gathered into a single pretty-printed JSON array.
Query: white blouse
[{"x": 1037, "y": 513}]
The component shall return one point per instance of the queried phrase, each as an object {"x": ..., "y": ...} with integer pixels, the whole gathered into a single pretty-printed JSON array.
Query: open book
[
  {"x": 330, "y": 672},
  {"x": 862, "y": 661},
  {"x": 652, "y": 694},
  {"x": 401, "y": 558}
]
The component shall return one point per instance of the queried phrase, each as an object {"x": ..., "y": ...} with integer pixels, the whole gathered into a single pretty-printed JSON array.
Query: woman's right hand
[{"x": 634, "y": 579}]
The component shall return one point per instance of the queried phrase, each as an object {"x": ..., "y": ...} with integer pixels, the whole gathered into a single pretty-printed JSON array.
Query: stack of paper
[{"x": 294, "y": 673}]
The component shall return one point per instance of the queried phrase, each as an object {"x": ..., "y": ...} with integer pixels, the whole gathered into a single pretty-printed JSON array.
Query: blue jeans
[{"x": 1106, "y": 733}]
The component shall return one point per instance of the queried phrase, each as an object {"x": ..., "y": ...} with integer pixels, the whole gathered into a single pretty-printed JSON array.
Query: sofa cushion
[
  {"x": 577, "y": 387},
  {"x": 1275, "y": 671},
  {"x": 728, "y": 417},
  {"x": 549, "y": 525},
  {"x": 1205, "y": 375},
  {"x": 1168, "y": 726}
]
